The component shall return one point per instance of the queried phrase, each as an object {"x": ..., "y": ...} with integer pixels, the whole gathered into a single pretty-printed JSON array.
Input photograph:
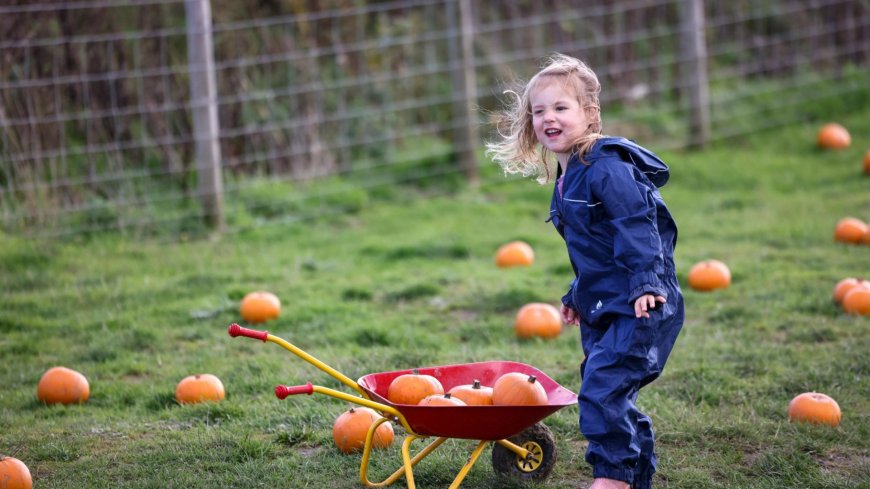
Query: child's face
[{"x": 558, "y": 118}]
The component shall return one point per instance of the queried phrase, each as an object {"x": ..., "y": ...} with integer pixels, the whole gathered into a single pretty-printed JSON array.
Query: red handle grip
[
  {"x": 282, "y": 391},
  {"x": 236, "y": 330}
]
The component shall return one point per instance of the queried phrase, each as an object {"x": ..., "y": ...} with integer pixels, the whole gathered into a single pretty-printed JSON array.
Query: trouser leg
[
  {"x": 608, "y": 415},
  {"x": 621, "y": 359},
  {"x": 646, "y": 462}
]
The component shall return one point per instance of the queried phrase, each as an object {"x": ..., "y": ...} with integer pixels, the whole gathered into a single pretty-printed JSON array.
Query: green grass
[{"x": 402, "y": 282}]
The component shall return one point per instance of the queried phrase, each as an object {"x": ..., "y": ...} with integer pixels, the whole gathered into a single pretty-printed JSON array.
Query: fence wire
[{"x": 96, "y": 130}]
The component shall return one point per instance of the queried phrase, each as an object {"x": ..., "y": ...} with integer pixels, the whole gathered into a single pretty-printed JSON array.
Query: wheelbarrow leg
[
  {"x": 406, "y": 469},
  {"x": 474, "y": 456}
]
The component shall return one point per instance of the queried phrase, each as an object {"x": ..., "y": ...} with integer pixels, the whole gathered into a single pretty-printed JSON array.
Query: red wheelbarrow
[{"x": 522, "y": 446}]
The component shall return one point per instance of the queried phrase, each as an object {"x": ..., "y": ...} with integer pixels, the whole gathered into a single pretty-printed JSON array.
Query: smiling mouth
[{"x": 552, "y": 132}]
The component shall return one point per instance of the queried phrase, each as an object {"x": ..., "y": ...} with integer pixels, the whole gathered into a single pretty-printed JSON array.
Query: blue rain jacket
[{"x": 619, "y": 233}]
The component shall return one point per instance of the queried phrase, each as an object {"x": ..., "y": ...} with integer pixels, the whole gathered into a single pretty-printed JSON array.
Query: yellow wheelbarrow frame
[{"x": 528, "y": 456}]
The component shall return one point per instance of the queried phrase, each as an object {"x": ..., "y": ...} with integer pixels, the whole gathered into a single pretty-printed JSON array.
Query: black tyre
[{"x": 536, "y": 439}]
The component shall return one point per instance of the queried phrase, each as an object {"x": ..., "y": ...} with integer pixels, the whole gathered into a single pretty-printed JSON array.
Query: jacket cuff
[
  {"x": 645, "y": 283},
  {"x": 568, "y": 299}
]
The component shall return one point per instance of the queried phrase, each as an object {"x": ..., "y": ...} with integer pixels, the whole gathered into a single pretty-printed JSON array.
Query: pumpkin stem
[
  {"x": 532, "y": 379},
  {"x": 476, "y": 384}
]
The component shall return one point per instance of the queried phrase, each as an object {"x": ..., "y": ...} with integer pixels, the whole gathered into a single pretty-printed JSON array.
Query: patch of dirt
[
  {"x": 841, "y": 463},
  {"x": 307, "y": 451}
]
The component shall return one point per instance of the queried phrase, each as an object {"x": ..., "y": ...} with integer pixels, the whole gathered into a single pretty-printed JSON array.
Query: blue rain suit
[{"x": 621, "y": 240}]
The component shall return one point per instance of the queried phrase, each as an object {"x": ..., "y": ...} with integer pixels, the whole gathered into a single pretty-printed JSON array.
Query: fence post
[
  {"x": 465, "y": 134},
  {"x": 203, "y": 101},
  {"x": 693, "y": 54}
]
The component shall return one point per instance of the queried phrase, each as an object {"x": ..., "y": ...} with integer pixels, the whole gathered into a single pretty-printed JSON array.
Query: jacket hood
[{"x": 645, "y": 160}]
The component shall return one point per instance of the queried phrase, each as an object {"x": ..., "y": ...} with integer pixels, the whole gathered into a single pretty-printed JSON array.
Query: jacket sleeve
[
  {"x": 630, "y": 206},
  {"x": 568, "y": 298}
]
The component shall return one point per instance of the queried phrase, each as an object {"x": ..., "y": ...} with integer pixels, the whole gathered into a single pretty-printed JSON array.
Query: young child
[{"x": 620, "y": 238}]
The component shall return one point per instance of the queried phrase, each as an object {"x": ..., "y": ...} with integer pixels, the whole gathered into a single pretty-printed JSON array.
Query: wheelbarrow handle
[
  {"x": 282, "y": 391},
  {"x": 236, "y": 330}
]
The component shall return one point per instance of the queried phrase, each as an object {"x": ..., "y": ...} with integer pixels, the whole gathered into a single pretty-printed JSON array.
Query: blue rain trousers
[
  {"x": 619, "y": 360},
  {"x": 621, "y": 239}
]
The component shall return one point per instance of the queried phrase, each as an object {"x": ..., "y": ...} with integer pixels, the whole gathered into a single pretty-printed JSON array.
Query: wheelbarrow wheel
[{"x": 538, "y": 440}]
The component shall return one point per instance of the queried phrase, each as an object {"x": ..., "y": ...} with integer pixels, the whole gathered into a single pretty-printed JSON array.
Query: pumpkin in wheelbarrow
[
  {"x": 473, "y": 394},
  {"x": 413, "y": 387},
  {"x": 518, "y": 389},
  {"x": 472, "y": 422},
  {"x": 442, "y": 400}
]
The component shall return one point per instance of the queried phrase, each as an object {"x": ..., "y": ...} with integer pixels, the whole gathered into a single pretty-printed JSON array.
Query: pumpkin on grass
[
  {"x": 814, "y": 407},
  {"x": 413, "y": 387},
  {"x": 260, "y": 306},
  {"x": 350, "y": 428},
  {"x": 473, "y": 394},
  {"x": 199, "y": 388},
  {"x": 867, "y": 162},
  {"x": 442, "y": 400},
  {"x": 514, "y": 254},
  {"x": 709, "y": 275},
  {"x": 833, "y": 136},
  {"x": 845, "y": 286},
  {"x": 61, "y": 385},
  {"x": 518, "y": 389},
  {"x": 14, "y": 474},
  {"x": 538, "y": 319},
  {"x": 850, "y": 230},
  {"x": 857, "y": 300}
]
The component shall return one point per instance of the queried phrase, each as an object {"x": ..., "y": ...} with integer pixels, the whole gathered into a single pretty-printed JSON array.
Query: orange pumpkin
[
  {"x": 351, "y": 427},
  {"x": 867, "y": 162},
  {"x": 866, "y": 239},
  {"x": 199, "y": 388},
  {"x": 60, "y": 385},
  {"x": 850, "y": 230},
  {"x": 538, "y": 319},
  {"x": 260, "y": 306},
  {"x": 518, "y": 389},
  {"x": 442, "y": 400},
  {"x": 14, "y": 474},
  {"x": 814, "y": 407},
  {"x": 833, "y": 136},
  {"x": 413, "y": 387},
  {"x": 844, "y": 286},
  {"x": 473, "y": 394},
  {"x": 709, "y": 275},
  {"x": 857, "y": 300},
  {"x": 514, "y": 254}
]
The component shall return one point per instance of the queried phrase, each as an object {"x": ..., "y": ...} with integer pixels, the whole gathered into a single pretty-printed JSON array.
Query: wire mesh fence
[{"x": 97, "y": 98}]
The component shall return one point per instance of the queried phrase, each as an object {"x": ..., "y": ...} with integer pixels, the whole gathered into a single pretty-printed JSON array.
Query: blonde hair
[{"x": 518, "y": 150}]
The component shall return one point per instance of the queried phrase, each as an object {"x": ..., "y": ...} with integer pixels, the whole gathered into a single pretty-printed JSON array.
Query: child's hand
[
  {"x": 646, "y": 302},
  {"x": 569, "y": 316}
]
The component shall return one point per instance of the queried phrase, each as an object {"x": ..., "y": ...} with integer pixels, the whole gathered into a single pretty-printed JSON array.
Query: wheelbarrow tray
[{"x": 471, "y": 422}]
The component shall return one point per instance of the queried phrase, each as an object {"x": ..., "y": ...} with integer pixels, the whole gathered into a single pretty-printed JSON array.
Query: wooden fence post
[
  {"x": 465, "y": 134},
  {"x": 203, "y": 101},
  {"x": 693, "y": 57}
]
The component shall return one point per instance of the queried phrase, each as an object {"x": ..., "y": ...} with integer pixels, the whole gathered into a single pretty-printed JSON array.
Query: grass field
[{"x": 408, "y": 280}]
